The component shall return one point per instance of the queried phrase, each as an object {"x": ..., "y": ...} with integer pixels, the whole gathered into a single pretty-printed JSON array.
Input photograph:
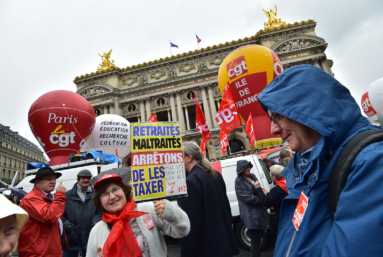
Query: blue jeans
[
  {"x": 256, "y": 239},
  {"x": 74, "y": 253}
]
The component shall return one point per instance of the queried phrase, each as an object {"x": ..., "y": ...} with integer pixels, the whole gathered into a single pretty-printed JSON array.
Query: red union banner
[
  {"x": 201, "y": 123},
  {"x": 152, "y": 118},
  {"x": 249, "y": 69},
  {"x": 61, "y": 121},
  {"x": 203, "y": 148},
  {"x": 249, "y": 130},
  {"x": 227, "y": 116},
  {"x": 223, "y": 141},
  {"x": 300, "y": 210}
]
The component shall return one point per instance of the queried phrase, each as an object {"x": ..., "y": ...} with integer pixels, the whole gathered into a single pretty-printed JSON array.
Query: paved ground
[{"x": 174, "y": 249}]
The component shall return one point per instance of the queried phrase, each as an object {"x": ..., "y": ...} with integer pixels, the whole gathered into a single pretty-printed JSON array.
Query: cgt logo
[
  {"x": 61, "y": 138},
  {"x": 236, "y": 67},
  {"x": 366, "y": 105}
]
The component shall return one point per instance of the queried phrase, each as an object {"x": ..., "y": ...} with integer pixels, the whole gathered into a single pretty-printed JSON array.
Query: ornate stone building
[
  {"x": 165, "y": 87},
  {"x": 15, "y": 152}
]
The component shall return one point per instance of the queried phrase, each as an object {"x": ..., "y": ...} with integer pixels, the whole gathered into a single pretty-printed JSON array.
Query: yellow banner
[
  {"x": 157, "y": 161},
  {"x": 147, "y": 137}
]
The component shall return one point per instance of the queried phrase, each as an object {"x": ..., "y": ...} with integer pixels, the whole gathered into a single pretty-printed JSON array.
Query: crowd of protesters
[{"x": 105, "y": 221}]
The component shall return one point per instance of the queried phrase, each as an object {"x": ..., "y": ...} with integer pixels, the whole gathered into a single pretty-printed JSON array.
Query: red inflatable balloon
[{"x": 61, "y": 121}]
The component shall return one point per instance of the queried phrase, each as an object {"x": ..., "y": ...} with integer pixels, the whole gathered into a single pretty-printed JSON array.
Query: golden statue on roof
[
  {"x": 273, "y": 22},
  {"x": 106, "y": 63}
]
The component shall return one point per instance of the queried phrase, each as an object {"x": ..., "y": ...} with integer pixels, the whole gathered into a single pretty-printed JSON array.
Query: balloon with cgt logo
[
  {"x": 372, "y": 100},
  {"x": 61, "y": 121},
  {"x": 248, "y": 70}
]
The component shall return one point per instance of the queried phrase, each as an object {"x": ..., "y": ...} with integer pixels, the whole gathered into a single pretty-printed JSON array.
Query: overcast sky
[{"x": 46, "y": 44}]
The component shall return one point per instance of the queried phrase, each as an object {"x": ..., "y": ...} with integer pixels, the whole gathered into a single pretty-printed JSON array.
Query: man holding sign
[{"x": 41, "y": 235}]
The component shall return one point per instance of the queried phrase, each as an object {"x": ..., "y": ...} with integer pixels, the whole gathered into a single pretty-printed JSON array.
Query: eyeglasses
[
  {"x": 275, "y": 118},
  {"x": 106, "y": 195}
]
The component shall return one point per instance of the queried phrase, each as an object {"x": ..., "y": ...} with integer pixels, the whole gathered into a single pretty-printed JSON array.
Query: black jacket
[
  {"x": 253, "y": 213},
  {"x": 79, "y": 218},
  {"x": 273, "y": 199},
  {"x": 208, "y": 208}
]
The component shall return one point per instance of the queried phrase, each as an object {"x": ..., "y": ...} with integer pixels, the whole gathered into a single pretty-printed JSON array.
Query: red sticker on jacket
[
  {"x": 300, "y": 210},
  {"x": 149, "y": 222}
]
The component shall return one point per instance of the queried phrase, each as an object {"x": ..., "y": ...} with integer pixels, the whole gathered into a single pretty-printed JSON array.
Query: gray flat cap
[{"x": 84, "y": 173}]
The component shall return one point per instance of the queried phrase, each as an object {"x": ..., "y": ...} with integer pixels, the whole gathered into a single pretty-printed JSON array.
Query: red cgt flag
[
  {"x": 223, "y": 141},
  {"x": 202, "y": 126},
  {"x": 203, "y": 148},
  {"x": 249, "y": 130},
  {"x": 227, "y": 116},
  {"x": 152, "y": 118}
]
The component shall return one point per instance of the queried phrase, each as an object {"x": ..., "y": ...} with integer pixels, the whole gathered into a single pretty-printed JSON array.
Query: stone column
[
  {"x": 187, "y": 117},
  {"x": 148, "y": 108},
  {"x": 173, "y": 108},
  {"x": 206, "y": 107},
  {"x": 105, "y": 109},
  {"x": 111, "y": 108},
  {"x": 142, "y": 109},
  {"x": 326, "y": 67},
  {"x": 217, "y": 102},
  {"x": 116, "y": 106},
  {"x": 181, "y": 118},
  {"x": 212, "y": 106},
  {"x": 316, "y": 63},
  {"x": 168, "y": 110}
]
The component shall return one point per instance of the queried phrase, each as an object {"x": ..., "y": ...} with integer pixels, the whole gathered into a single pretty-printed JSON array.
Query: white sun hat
[{"x": 8, "y": 209}]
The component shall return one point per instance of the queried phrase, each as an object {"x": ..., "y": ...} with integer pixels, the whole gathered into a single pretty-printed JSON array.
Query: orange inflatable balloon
[{"x": 248, "y": 70}]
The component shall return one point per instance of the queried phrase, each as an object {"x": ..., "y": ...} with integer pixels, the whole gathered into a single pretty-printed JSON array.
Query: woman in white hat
[{"x": 12, "y": 220}]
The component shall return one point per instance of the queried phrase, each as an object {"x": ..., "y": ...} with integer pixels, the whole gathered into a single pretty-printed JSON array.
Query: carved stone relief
[
  {"x": 157, "y": 74},
  {"x": 202, "y": 65},
  {"x": 171, "y": 71},
  {"x": 186, "y": 67},
  {"x": 129, "y": 81},
  {"x": 296, "y": 44},
  {"x": 215, "y": 61},
  {"x": 95, "y": 90},
  {"x": 143, "y": 79}
]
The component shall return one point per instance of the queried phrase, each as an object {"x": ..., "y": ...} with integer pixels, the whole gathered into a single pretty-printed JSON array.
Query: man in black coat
[
  {"x": 276, "y": 195},
  {"x": 80, "y": 214},
  {"x": 208, "y": 208}
]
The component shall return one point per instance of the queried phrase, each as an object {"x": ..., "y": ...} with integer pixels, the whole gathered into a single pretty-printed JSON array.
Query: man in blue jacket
[{"x": 317, "y": 116}]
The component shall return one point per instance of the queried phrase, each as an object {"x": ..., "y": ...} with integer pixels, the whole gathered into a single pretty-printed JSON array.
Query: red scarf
[
  {"x": 282, "y": 184},
  {"x": 121, "y": 240}
]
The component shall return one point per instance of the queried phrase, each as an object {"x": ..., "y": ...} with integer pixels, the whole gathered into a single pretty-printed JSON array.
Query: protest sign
[{"x": 157, "y": 161}]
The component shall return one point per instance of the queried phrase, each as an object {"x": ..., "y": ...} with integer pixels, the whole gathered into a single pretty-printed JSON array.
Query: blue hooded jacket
[{"x": 315, "y": 99}]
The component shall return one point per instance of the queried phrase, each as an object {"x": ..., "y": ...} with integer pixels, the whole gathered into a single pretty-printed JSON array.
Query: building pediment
[
  {"x": 297, "y": 43},
  {"x": 95, "y": 90}
]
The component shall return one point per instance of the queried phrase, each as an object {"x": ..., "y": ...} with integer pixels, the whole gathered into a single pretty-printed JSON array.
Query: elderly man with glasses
[
  {"x": 317, "y": 116},
  {"x": 41, "y": 235}
]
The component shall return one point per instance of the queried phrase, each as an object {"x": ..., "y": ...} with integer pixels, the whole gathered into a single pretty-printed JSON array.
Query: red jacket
[{"x": 41, "y": 234}]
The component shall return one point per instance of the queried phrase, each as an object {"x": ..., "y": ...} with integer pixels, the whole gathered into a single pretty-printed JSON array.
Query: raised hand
[
  {"x": 159, "y": 208},
  {"x": 256, "y": 184},
  {"x": 60, "y": 187}
]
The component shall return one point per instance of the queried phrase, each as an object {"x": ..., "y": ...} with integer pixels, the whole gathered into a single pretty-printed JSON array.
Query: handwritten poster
[{"x": 157, "y": 161}]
